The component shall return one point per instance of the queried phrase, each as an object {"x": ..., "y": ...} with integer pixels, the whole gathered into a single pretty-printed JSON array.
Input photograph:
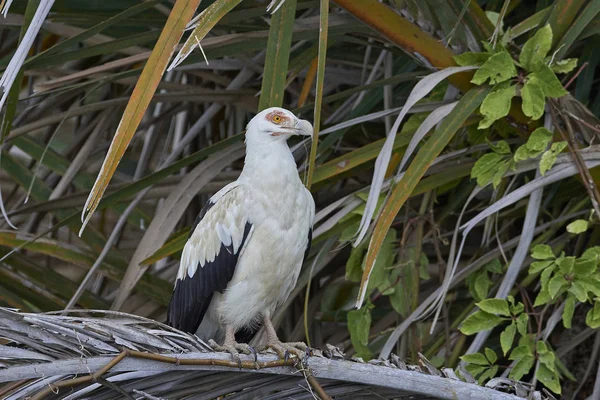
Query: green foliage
[
  {"x": 479, "y": 282},
  {"x": 497, "y": 104},
  {"x": 491, "y": 167},
  {"x": 482, "y": 365},
  {"x": 498, "y": 68},
  {"x": 533, "y": 99},
  {"x": 534, "y": 82},
  {"x": 534, "y": 51},
  {"x": 578, "y": 226},
  {"x": 549, "y": 157},
  {"x": 575, "y": 278},
  {"x": 359, "y": 324}
]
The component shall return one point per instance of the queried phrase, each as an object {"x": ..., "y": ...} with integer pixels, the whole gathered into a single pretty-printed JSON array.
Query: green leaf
[
  {"x": 535, "y": 49},
  {"x": 566, "y": 264},
  {"x": 380, "y": 275},
  {"x": 591, "y": 285},
  {"x": 359, "y": 324},
  {"x": 584, "y": 267},
  {"x": 539, "y": 139},
  {"x": 498, "y": 68},
  {"x": 523, "y": 153},
  {"x": 490, "y": 373},
  {"x": 516, "y": 309},
  {"x": 475, "y": 370},
  {"x": 568, "y": 311},
  {"x": 491, "y": 355},
  {"x": 479, "y": 321},
  {"x": 592, "y": 318},
  {"x": 475, "y": 358},
  {"x": 485, "y": 168},
  {"x": 494, "y": 266},
  {"x": 555, "y": 285},
  {"x": 577, "y": 226},
  {"x": 592, "y": 253},
  {"x": 469, "y": 58},
  {"x": 533, "y": 99},
  {"x": 549, "y": 82},
  {"x": 549, "y": 157},
  {"x": 520, "y": 352},
  {"x": 501, "y": 147},
  {"x": 481, "y": 285},
  {"x": 522, "y": 324},
  {"x": 542, "y": 298},
  {"x": 354, "y": 263},
  {"x": 545, "y": 277},
  {"x": 507, "y": 337},
  {"x": 538, "y": 266},
  {"x": 502, "y": 168},
  {"x": 542, "y": 348},
  {"x": 496, "y": 105},
  {"x": 579, "y": 291},
  {"x": 549, "y": 378},
  {"x": 494, "y": 306},
  {"x": 522, "y": 366},
  {"x": 542, "y": 252},
  {"x": 564, "y": 66},
  {"x": 277, "y": 58}
]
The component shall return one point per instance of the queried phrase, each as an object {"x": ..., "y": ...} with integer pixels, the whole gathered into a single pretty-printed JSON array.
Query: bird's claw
[
  {"x": 284, "y": 350},
  {"x": 234, "y": 349}
]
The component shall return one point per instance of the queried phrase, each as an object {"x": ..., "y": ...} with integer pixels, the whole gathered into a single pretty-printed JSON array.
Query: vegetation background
[{"x": 465, "y": 223}]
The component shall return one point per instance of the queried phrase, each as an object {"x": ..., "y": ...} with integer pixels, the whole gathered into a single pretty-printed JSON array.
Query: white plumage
[{"x": 244, "y": 256}]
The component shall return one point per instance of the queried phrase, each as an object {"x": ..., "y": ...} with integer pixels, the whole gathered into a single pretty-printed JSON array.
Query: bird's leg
[
  {"x": 233, "y": 347},
  {"x": 283, "y": 349}
]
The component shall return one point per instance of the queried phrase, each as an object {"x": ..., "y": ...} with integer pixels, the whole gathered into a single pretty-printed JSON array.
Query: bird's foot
[
  {"x": 299, "y": 349},
  {"x": 234, "y": 348}
]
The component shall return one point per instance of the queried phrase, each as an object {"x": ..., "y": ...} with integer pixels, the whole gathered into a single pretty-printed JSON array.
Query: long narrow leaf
[
  {"x": 322, "y": 58},
  {"x": 278, "y": 56},
  {"x": 421, "y": 89},
  {"x": 140, "y": 99},
  {"x": 430, "y": 150},
  {"x": 204, "y": 23}
]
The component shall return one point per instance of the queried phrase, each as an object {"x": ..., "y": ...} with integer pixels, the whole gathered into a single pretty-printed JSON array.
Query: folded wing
[{"x": 209, "y": 257}]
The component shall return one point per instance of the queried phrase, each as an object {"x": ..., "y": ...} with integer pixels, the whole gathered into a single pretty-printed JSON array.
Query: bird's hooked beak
[{"x": 303, "y": 128}]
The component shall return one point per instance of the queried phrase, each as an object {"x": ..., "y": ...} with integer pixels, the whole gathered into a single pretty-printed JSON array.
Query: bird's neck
[{"x": 269, "y": 163}]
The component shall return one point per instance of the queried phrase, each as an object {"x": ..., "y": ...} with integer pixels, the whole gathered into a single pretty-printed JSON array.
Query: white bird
[{"x": 247, "y": 246}]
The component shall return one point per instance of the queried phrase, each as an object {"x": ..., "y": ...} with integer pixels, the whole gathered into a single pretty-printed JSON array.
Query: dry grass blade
[
  {"x": 202, "y": 24},
  {"x": 321, "y": 60},
  {"x": 140, "y": 99}
]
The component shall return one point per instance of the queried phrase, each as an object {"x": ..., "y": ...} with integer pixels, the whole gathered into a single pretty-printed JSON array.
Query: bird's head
[{"x": 277, "y": 123}]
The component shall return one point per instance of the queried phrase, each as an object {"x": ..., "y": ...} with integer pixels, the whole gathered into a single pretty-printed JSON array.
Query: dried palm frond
[{"x": 141, "y": 358}]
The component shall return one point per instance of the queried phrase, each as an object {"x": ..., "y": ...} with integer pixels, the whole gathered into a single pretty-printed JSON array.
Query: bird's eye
[{"x": 276, "y": 119}]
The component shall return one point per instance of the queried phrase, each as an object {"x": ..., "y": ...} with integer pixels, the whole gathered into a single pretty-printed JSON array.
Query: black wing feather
[
  {"x": 307, "y": 245},
  {"x": 192, "y": 296}
]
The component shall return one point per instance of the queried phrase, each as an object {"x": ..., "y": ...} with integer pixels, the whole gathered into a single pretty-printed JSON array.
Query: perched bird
[{"x": 245, "y": 250}]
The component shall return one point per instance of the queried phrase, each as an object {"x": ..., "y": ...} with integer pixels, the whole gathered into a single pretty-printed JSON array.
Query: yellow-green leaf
[
  {"x": 535, "y": 49},
  {"x": 496, "y": 105},
  {"x": 507, "y": 337},
  {"x": 533, "y": 99},
  {"x": 140, "y": 99},
  {"x": 204, "y": 23},
  {"x": 278, "y": 56},
  {"x": 577, "y": 226},
  {"x": 549, "y": 157},
  {"x": 498, "y": 68}
]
